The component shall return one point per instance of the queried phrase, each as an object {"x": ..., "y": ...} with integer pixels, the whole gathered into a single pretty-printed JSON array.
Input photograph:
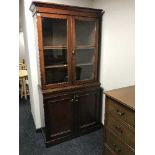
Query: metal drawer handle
[
  {"x": 116, "y": 148},
  {"x": 76, "y": 100},
  {"x": 118, "y": 128},
  {"x": 72, "y": 100},
  {"x": 120, "y": 113}
]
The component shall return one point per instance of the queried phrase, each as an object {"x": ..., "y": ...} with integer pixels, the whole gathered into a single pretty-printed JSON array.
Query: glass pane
[
  {"x": 85, "y": 32},
  {"x": 55, "y": 57},
  {"x": 55, "y": 50},
  {"x": 84, "y": 64},
  {"x": 56, "y": 75},
  {"x": 84, "y": 72},
  {"x": 83, "y": 56},
  {"x": 54, "y": 32}
]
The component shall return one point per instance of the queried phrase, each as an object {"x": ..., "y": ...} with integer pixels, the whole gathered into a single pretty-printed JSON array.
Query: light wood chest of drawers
[{"x": 120, "y": 121}]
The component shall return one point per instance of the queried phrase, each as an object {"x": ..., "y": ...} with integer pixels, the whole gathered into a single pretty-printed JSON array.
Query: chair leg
[
  {"x": 24, "y": 88},
  {"x": 22, "y": 91}
]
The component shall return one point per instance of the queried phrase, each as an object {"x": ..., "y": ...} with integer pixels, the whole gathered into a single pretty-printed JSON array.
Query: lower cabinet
[{"x": 71, "y": 115}]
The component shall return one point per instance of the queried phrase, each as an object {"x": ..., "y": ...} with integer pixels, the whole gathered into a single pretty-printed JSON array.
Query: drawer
[
  {"x": 107, "y": 151},
  {"x": 120, "y": 111},
  {"x": 126, "y": 133},
  {"x": 116, "y": 145}
]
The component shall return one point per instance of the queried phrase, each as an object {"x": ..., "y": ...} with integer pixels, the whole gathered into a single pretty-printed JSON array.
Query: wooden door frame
[
  {"x": 41, "y": 49},
  {"x": 95, "y": 70}
]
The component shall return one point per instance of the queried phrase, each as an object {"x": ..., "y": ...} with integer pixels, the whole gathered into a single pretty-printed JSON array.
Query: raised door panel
[
  {"x": 88, "y": 109},
  {"x": 59, "y": 117}
]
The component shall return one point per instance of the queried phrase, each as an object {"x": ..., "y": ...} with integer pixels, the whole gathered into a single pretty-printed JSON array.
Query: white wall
[
  {"x": 82, "y": 3},
  {"x": 21, "y": 47},
  {"x": 31, "y": 57},
  {"x": 117, "y": 47}
]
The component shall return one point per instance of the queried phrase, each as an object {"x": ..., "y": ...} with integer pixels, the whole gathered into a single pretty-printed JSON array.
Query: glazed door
[
  {"x": 59, "y": 116},
  {"x": 85, "y": 49},
  {"x": 88, "y": 109},
  {"x": 54, "y": 49}
]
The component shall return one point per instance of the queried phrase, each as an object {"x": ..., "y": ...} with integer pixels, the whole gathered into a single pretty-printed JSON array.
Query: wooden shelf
[
  {"x": 56, "y": 66},
  {"x": 84, "y": 47},
  {"x": 55, "y": 47},
  {"x": 84, "y": 64}
]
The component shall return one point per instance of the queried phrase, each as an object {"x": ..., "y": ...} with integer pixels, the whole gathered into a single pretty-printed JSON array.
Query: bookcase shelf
[
  {"x": 56, "y": 66},
  {"x": 55, "y": 47}
]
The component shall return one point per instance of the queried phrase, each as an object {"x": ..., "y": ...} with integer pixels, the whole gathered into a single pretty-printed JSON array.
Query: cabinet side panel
[
  {"x": 38, "y": 70},
  {"x": 40, "y": 49}
]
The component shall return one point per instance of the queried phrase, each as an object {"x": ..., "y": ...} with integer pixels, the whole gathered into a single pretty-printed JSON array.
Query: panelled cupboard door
[
  {"x": 88, "y": 109},
  {"x": 54, "y": 49},
  {"x": 59, "y": 116},
  {"x": 85, "y": 49}
]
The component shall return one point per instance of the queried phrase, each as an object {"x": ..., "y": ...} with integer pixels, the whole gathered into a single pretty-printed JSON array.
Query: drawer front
[
  {"x": 120, "y": 111},
  {"x": 125, "y": 132},
  {"x": 107, "y": 151},
  {"x": 116, "y": 145}
]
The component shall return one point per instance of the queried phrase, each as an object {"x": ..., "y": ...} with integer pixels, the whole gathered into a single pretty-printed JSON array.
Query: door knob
[{"x": 72, "y": 100}]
